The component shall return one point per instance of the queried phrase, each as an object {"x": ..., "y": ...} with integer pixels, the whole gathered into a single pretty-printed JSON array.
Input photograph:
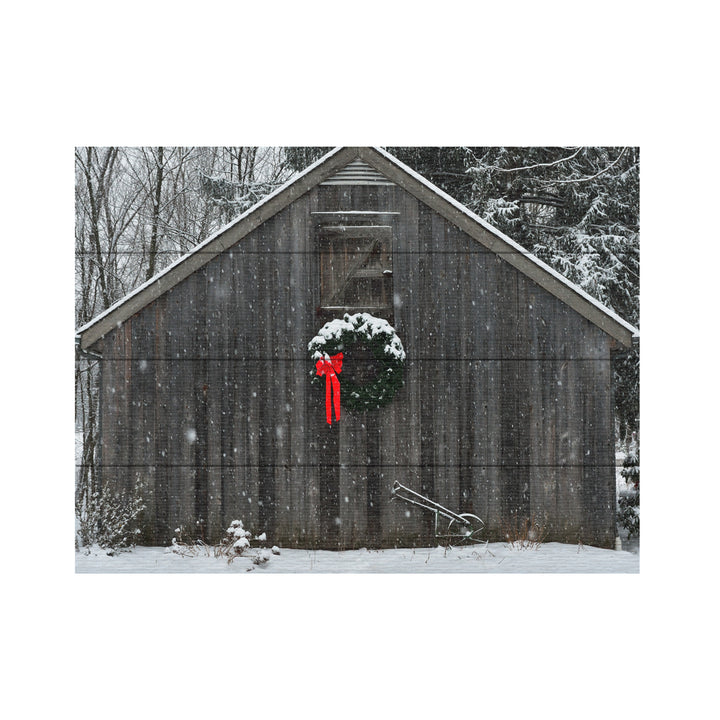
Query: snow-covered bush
[
  {"x": 109, "y": 520},
  {"x": 236, "y": 543},
  {"x": 238, "y": 539}
]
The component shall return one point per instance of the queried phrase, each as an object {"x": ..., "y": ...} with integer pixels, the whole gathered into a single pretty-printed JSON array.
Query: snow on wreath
[{"x": 342, "y": 336}]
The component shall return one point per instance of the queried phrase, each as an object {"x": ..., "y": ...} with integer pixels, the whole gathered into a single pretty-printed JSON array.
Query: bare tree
[{"x": 137, "y": 210}]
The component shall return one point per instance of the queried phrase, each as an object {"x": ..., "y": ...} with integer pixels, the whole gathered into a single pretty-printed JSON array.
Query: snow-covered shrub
[
  {"x": 262, "y": 557},
  {"x": 237, "y": 540},
  {"x": 109, "y": 520},
  {"x": 236, "y": 543},
  {"x": 629, "y": 501}
]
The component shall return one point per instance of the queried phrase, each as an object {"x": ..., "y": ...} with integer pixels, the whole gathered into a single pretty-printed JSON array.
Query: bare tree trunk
[
  {"x": 152, "y": 255},
  {"x": 96, "y": 186},
  {"x": 86, "y": 485}
]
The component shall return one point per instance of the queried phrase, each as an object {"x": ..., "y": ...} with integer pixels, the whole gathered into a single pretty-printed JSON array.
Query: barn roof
[{"x": 337, "y": 163}]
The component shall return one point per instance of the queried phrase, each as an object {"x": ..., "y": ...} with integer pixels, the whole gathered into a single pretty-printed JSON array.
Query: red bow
[{"x": 329, "y": 367}]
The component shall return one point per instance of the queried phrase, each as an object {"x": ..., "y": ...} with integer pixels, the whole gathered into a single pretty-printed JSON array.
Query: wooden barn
[{"x": 497, "y": 402}]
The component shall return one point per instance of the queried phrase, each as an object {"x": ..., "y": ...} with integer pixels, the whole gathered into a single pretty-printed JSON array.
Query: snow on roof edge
[
  {"x": 515, "y": 245},
  {"x": 118, "y": 303}
]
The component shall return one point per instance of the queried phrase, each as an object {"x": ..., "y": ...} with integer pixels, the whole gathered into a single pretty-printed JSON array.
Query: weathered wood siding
[{"x": 506, "y": 408}]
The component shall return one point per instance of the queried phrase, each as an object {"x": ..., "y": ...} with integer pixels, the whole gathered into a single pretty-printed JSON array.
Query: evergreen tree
[
  {"x": 575, "y": 208},
  {"x": 298, "y": 158},
  {"x": 629, "y": 501},
  {"x": 445, "y": 167}
]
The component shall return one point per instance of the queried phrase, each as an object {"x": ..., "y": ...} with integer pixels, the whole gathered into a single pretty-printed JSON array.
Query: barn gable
[
  {"x": 361, "y": 166},
  {"x": 506, "y": 410}
]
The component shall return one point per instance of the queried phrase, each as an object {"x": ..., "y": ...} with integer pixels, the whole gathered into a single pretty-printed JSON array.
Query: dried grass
[{"x": 524, "y": 533}]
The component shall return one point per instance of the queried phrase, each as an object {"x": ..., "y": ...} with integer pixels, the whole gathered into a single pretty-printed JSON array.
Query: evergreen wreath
[{"x": 379, "y": 337}]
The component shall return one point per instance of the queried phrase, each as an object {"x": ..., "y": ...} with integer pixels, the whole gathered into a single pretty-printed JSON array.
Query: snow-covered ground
[{"x": 493, "y": 558}]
